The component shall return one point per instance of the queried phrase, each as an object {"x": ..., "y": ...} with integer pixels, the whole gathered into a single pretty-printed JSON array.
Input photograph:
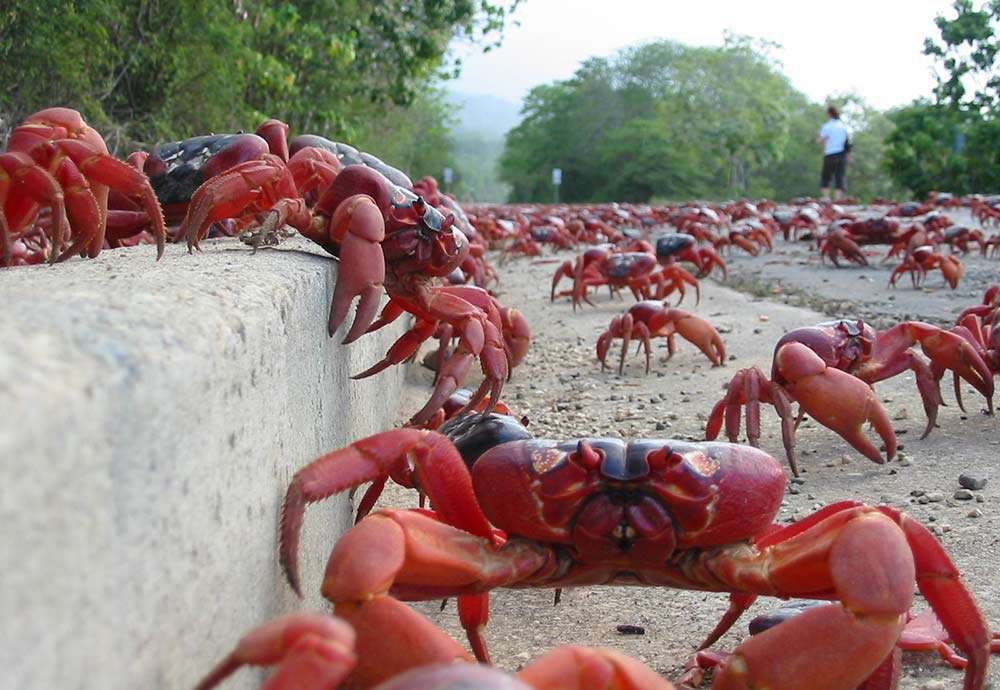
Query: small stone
[
  {"x": 972, "y": 482},
  {"x": 757, "y": 331},
  {"x": 631, "y": 629},
  {"x": 923, "y": 500},
  {"x": 935, "y": 497},
  {"x": 980, "y": 498},
  {"x": 945, "y": 527},
  {"x": 660, "y": 426},
  {"x": 917, "y": 492},
  {"x": 901, "y": 414},
  {"x": 798, "y": 480},
  {"x": 974, "y": 513},
  {"x": 904, "y": 461},
  {"x": 964, "y": 495},
  {"x": 794, "y": 489},
  {"x": 845, "y": 460}
]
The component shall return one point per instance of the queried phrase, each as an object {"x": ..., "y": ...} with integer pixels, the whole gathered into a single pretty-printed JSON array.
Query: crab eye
[{"x": 586, "y": 456}]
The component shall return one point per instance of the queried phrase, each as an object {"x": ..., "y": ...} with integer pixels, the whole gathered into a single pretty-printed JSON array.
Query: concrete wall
[{"x": 151, "y": 416}]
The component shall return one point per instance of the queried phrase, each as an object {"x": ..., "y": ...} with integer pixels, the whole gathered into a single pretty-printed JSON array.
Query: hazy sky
[{"x": 870, "y": 46}]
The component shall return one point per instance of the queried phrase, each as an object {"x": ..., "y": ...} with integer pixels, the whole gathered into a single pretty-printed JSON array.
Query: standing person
[{"x": 834, "y": 139}]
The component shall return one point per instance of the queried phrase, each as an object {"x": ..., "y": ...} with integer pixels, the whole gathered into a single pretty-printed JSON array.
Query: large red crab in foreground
[
  {"x": 315, "y": 652},
  {"x": 829, "y": 370},
  {"x": 542, "y": 513},
  {"x": 55, "y": 178}
]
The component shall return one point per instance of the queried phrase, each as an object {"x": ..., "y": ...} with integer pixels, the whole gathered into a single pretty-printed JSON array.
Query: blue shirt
[{"x": 834, "y": 136}]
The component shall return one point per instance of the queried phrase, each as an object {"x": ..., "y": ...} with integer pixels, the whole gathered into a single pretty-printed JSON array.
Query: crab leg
[
  {"x": 750, "y": 387},
  {"x": 945, "y": 349},
  {"x": 479, "y": 336},
  {"x": 413, "y": 556},
  {"x": 110, "y": 173},
  {"x": 404, "y": 348},
  {"x": 312, "y": 652},
  {"x": 866, "y": 558},
  {"x": 626, "y": 328},
  {"x": 449, "y": 485},
  {"x": 18, "y": 172},
  {"x": 255, "y": 185}
]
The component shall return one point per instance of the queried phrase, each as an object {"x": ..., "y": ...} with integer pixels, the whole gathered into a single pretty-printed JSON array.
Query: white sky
[{"x": 870, "y": 46}]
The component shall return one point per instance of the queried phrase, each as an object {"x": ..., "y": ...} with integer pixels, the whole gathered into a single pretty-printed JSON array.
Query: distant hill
[{"x": 485, "y": 114}]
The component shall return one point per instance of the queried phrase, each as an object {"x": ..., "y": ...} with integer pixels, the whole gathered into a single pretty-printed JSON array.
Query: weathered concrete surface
[{"x": 151, "y": 416}]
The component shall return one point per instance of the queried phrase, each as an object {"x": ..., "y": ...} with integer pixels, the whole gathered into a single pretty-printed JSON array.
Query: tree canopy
[
  {"x": 144, "y": 71},
  {"x": 952, "y": 143}
]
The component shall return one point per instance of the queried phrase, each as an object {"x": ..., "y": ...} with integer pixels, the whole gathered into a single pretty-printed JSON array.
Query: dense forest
[
  {"x": 669, "y": 121},
  {"x": 656, "y": 121},
  {"x": 146, "y": 71}
]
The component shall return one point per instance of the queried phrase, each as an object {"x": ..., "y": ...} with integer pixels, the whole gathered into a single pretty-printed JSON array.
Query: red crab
[
  {"x": 540, "y": 513},
  {"x": 57, "y": 163},
  {"x": 958, "y": 237},
  {"x": 924, "y": 259},
  {"x": 653, "y": 319},
  {"x": 316, "y": 652},
  {"x": 386, "y": 238},
  {"x": 838, "y": 241},
  {"x": 179, "y": 170},
  {"x": 638, "y": 271},
  {"x": 829, "y": 370},
  {"x": 910, "y": 209},
  {"x": 680, "y": 247},
  {"x": 977, "y": 326}
]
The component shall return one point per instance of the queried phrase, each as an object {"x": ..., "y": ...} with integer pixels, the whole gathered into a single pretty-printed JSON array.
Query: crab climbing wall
[{"x": 151, "y": 416}]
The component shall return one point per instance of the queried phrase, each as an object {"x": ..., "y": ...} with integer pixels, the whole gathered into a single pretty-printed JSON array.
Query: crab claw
[
  {"x": 516, "y": 334},
  {"x": 589, "y": 668},
  {"x": 949, "y": 350},
  {"x": 835, "y": 399},
  {"x": 312, "y": 652},
  {"x": 359, "y": 222},
  {"x": 709, "y": 259}
]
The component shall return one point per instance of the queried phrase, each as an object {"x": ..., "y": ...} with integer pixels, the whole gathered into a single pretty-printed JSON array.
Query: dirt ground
[{"x": 564, "y": 393}]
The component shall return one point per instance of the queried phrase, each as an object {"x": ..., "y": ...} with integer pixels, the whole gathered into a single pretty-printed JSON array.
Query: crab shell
[{"x": 646, "y": 498}]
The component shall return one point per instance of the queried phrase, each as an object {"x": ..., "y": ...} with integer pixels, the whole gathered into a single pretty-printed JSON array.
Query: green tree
[
  {"x": 952, "y": 143},
  {"x": 660, "y": 119},
  {"x": 153, "y": 70}
]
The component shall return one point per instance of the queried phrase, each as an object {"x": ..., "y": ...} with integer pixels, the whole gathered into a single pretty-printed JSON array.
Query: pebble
[
  {"x": 974, "y": 513},
  {"x": 630, "y": 629},
  {"x": 970, "y": 481},
  {"x": 964, "y": 495},
  {"x": 935, "y": 497}
]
